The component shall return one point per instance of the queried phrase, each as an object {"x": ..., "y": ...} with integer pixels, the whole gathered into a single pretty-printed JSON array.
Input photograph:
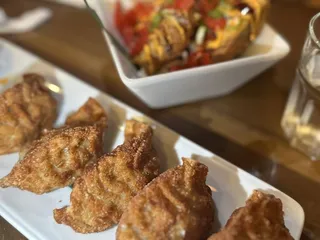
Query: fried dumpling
[
  {"x": 55, "y": 160},
  {"x": 260, "y": 219},
  {"x": 103, "y": 192},
  {"x": 175, "y": 205},
  {"x": 91, "y": 113},
  {"x": 25, "y": 110}
]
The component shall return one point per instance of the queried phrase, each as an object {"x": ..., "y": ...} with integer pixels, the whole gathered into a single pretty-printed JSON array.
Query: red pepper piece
[
  {"x": 183, "y": 4},
  {"x": 206, "y": 6},
  {"x": 215, "y": 23}
]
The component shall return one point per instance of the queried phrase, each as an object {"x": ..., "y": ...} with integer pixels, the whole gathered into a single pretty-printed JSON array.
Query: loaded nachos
[{"x": 169, "y": 35}]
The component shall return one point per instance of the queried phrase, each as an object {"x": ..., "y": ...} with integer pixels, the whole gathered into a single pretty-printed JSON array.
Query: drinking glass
[{"x": 301, "y": 118}]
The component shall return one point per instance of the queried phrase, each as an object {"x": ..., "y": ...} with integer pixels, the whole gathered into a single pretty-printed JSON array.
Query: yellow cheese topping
[
  {"x": 157, "y": 43},
  {"x": 213, "y": 44}
]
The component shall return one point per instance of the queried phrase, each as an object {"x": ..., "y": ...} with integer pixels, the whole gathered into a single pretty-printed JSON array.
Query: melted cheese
[
  {"x": 180, "y": 29},
  {"x": 156, "y": 43},
  {"x": 213, "y": 44},
  {"x": 259, "y": 7},
  {"x": 147, "y": 53}
]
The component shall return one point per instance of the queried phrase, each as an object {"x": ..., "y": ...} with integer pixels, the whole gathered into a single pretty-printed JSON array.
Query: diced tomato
[
  {"x": 127, "y": 34},
  {"x": 141, "y": 38},
  {"x": 136, "y": 48},
  {"x": 205, "y": 59},
  {"x": 215, "y": 23},
  {"x": 193, "y": 59},
  {"x": 130, "y": 17},
  {"x": 175, "y": 68},
  {"x": 206, "y": 6},
  {"x": 118, "y": 15},
  {"x": 183, "y": 4},
  {"x": 199, "y": 58},
  {"x": 126, "y": 22},
  {"x": 196, "y": 59},
  {"x": 143, "y": 9}
]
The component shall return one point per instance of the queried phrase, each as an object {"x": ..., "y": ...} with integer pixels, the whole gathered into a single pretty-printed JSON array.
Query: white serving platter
[{"x": 32, "y": 214}]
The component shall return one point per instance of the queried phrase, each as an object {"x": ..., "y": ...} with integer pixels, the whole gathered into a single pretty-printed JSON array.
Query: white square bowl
[{"x": 174, "y": 88}]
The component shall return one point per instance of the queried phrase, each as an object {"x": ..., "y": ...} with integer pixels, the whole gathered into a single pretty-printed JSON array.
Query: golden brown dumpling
[
  {"x": 176, "y": 205},
  {"x": 55, "y": 160},
  {"x": 260, "y": 219},
  {"x": 103, "y": 192},
  {"x": 25, "y": 110}
]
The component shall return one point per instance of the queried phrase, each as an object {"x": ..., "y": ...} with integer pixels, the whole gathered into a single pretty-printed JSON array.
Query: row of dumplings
[{"x": 121, "y": 187}]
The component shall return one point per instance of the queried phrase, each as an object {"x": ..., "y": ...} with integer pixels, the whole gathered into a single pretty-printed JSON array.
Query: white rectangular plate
[{"x": 32, "y": 214}]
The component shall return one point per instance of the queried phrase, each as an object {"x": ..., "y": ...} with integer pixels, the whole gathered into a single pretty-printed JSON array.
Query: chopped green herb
[
  {"x": 155, "y": 21},
  {"x": 224, "y": 6},
  {"x": 216, "y": 13}
]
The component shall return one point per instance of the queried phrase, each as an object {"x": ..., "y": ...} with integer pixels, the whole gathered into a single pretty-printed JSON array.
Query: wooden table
[{"x": 242, "y": 127}]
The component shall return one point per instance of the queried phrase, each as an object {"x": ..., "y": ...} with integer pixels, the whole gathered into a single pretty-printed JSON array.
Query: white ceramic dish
[
  {"x": 32, "y": 214},
  {"x": 189, "y": 85}
]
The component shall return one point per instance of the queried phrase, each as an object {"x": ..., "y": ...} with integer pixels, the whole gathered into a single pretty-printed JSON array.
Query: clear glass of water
[{"x": 301, "y": 118}]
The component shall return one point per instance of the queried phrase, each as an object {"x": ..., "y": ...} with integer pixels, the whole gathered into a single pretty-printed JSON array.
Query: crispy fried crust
[
  {"x": 134, "y": 129},
  {"x": 25, "y": 110},
  {"x": 91, "y": 113},
  {"x": 103, "y": 192},
  {"x": 175, "y": 205},
  {"x": 260, "y": 219},
  {"x": 55, "y": 160}
]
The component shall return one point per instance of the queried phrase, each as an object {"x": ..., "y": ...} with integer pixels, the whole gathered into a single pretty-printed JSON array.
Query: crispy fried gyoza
[
  {"x": 55, "y": 160},
  {"x": 91, "y": 113},
  {"x": 25, "y": 110},
  {"x": 175, "y": 205},
  {"x": 260, "y": 219},
  {"x": 103, "y": 192}
]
